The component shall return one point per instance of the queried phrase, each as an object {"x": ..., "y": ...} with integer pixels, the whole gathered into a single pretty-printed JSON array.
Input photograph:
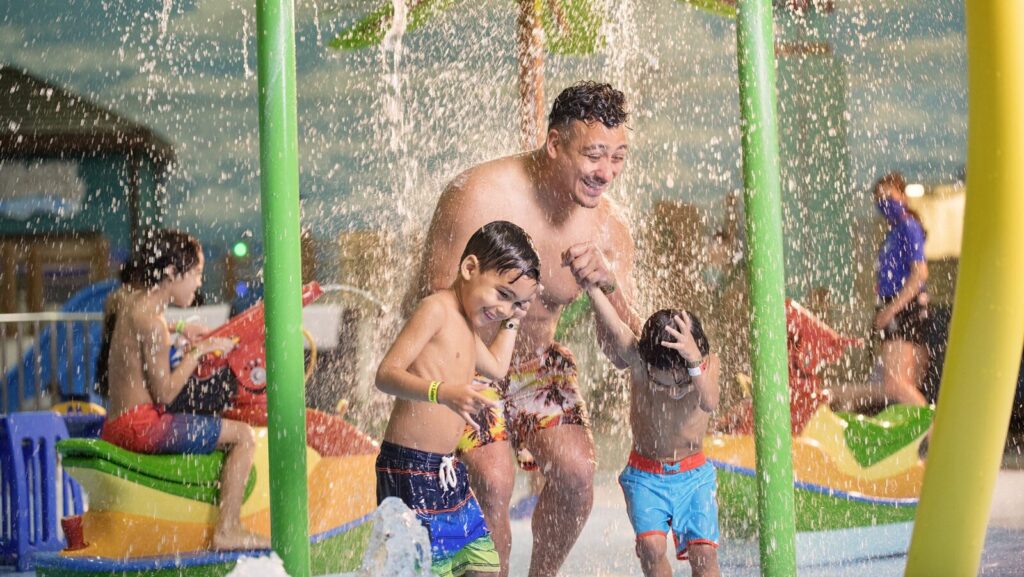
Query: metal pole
[
  {"x": 279, "y": 194},
  {"x": 772, "y": 437},
  {"x": 987, "y": 331}
]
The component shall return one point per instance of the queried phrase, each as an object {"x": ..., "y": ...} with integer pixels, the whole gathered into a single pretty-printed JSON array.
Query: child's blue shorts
[
  {"x": 451, "y": 515},
  {"x": 679, "y": 496}
]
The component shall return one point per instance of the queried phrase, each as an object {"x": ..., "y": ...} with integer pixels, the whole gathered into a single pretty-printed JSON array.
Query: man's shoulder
[{"x": 484, "y": 177}]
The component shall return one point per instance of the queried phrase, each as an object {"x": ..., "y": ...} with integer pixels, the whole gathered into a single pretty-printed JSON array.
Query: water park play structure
[
  {"x": 156, "y": 512},
  {"x": 986, "y": 333},
  {"x": 849, "y": 470}
]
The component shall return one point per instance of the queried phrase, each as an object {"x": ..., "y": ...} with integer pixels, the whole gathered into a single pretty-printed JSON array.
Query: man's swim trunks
[
  {"x": 679, "y": 496},
  {"x": 538, "y": 394},
  {"x": 152, "y": 429},
  {"x": 436, "y": 487}
]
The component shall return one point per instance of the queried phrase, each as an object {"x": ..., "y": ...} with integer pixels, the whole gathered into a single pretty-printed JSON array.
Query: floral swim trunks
[{"x": 537, "y": 394}]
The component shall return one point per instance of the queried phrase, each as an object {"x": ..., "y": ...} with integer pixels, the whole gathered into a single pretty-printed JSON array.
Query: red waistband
[{"x": 642, "y": 463}]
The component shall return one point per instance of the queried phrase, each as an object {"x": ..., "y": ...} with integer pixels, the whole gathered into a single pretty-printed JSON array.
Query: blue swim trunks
[
  {"x": 679, "y": 496},
  {"x": 436, "y": 487}
]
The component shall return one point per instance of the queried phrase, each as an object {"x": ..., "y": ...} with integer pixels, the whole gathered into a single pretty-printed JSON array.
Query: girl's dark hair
[
  {"x": 653, "y": 333},
  {"x": 157, "y": 250},
  {"x": 894, "y": 178},
  {"x": 502, "y": 246},
  {"x": 152, "y": 254},
  {"x": 589, "y": 102}
]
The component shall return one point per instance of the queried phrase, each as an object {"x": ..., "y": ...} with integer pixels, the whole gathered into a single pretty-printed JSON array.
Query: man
[{"x": 557, "y": 194}]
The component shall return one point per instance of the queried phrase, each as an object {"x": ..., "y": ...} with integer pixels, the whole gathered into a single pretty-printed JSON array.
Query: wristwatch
[{"x": 509, "y": 324}]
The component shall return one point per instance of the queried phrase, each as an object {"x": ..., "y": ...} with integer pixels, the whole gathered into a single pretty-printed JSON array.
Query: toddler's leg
[
  {"x": 237, "y": 440},
  {"x": 651, "y": 551},
  {"x": 703, "y": 560}
]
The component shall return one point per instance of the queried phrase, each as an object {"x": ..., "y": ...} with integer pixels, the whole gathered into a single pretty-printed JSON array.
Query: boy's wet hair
[
  {"x": 502, "y": 246},
  {"x": 589, "y": 102},
  {"x": 157, "y": 250},
  {"x": 653, "y": 333}
]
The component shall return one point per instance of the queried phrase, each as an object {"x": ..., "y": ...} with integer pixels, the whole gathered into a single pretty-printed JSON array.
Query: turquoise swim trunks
[{"x": 677, "y": 496}]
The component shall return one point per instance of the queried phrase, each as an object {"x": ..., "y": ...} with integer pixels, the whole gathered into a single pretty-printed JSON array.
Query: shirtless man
[{"x": 555, "y": 193}]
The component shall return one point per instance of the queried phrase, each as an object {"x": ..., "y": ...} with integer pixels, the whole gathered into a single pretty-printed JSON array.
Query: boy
[
  {"x": 430, "y": 368},
  {"x": 667, "y": 482}
]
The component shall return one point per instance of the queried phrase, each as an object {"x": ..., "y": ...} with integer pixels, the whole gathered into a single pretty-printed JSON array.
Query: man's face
[{"x": 589, "y": 157}]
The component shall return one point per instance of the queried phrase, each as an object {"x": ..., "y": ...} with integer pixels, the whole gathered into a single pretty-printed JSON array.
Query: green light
[{"x": 240, "y": 249}]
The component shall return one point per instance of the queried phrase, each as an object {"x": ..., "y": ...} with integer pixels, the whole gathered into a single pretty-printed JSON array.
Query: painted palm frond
[
  {"x": 370, "y": 29},
  {"x": 571, "y": 26},
  {"x": 720, "y": 7}
]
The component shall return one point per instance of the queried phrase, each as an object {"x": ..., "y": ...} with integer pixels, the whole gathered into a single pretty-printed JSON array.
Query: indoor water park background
[{"x": 122, "y": 115}]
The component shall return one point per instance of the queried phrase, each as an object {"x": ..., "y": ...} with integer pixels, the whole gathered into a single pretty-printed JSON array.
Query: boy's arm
[
  {"x": 619, "y": 335},
  {"x": 706, "y": 382},
  {"x": 394, "y": 378},
  {"x": 707, "y": 385},
  {"x": 493, "y": 362}
]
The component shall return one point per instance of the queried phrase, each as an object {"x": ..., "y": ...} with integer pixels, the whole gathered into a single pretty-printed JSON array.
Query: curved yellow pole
[{"x": 987, "y": 330}]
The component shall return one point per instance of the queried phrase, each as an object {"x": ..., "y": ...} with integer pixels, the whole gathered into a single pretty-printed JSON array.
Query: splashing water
[{"x": 399, "y": 544}]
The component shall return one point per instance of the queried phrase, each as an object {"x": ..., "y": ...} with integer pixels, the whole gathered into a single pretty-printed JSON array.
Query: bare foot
[{"x": 235, "y": 539}]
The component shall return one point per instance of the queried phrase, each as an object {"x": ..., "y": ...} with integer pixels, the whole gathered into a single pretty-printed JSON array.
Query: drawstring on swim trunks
[{"x": 446, "y": 473}]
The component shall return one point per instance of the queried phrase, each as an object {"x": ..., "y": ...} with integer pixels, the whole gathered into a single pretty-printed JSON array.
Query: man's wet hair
[
  {"x": 653, "y": 333},
  {"x": 502, "y": 246},
  {"x": 157, "y": 250},
  {"x": 589, "y": 102}
]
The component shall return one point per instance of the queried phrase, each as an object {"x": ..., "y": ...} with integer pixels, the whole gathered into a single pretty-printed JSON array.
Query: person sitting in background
[{"x": 135, "y": 371}]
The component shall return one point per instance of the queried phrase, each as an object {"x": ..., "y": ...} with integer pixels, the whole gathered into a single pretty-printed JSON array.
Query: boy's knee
[
  {"x": 703, "y": 558},
  {"x": 650, "y": 548}
]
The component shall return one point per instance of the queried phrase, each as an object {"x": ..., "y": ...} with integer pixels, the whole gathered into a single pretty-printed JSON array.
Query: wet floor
[{"x": 605, "y": 549}]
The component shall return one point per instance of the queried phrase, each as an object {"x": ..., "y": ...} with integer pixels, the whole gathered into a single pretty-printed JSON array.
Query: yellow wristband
[
  {"x": 179, "y": 327},
  {"x": 432, "y": 391}
]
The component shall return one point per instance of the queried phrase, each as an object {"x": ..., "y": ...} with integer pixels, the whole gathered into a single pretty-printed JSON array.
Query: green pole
[
  {"x": 279, "y": 194},
  {"x": 772, "y": 438}
]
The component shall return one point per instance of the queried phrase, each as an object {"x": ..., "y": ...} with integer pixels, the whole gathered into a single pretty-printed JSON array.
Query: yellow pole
[{"x": 987, "y": 331}]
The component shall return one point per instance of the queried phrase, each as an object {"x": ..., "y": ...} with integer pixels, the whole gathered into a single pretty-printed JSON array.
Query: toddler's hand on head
[{"x": 684, "y": 343}]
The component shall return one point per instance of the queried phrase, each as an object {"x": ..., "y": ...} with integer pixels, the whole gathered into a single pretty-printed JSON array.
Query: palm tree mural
[{"x": 568, "y": 27}]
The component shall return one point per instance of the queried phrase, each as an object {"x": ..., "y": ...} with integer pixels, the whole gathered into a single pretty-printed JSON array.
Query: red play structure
[
  {"x": 328, "y": 434},
  {"x": 811, "y": 345}
]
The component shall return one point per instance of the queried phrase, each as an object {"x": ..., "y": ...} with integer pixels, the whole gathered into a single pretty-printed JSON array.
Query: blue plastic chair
[{"x": 28, "y": 487}]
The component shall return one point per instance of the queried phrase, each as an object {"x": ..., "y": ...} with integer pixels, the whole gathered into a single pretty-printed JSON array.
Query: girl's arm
[
  {"x": 620, "y": 336},
  {"x": 165, "y": 384},
  {"x": 911, "y": 288}
]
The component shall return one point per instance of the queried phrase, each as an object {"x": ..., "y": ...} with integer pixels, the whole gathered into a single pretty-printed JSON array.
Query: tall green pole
[
  {"x": 772, "y": 437},
  {"x": 279, "y": 193}
]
